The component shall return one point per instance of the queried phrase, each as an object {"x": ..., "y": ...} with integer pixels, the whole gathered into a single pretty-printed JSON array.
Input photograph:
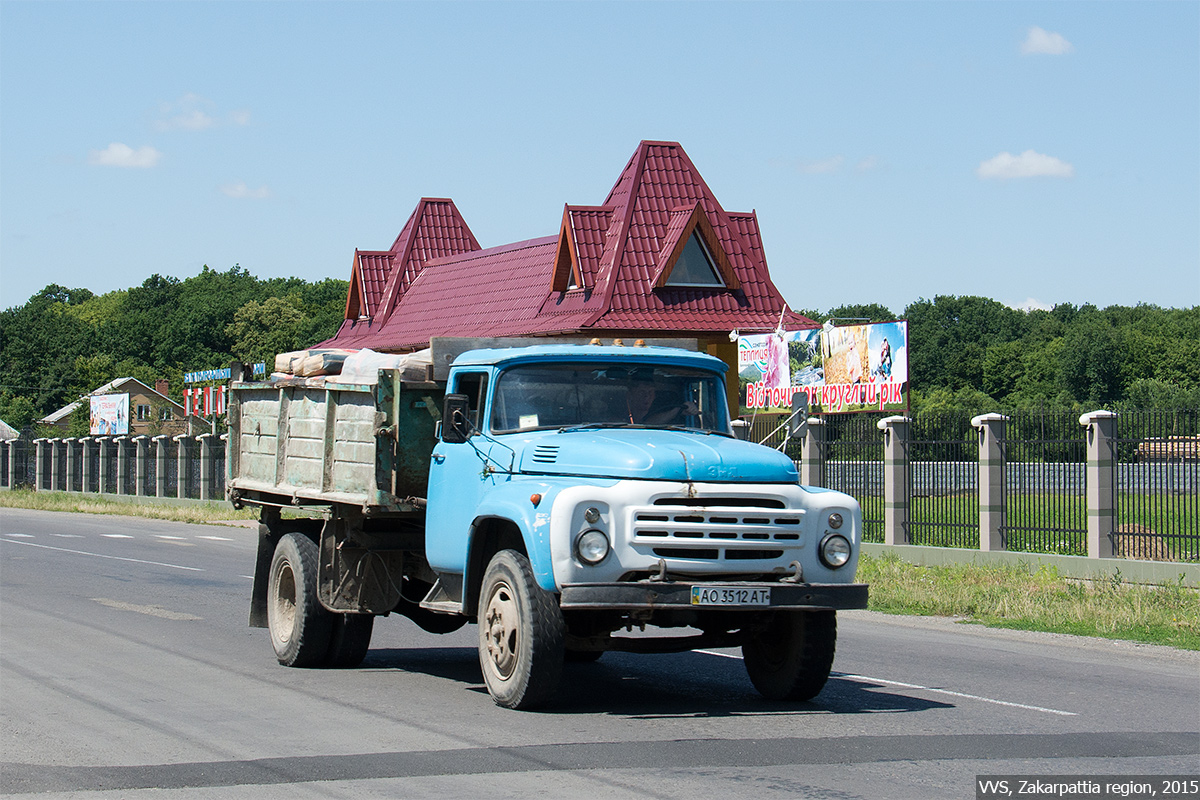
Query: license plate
[{"x": 730, "y": 596}]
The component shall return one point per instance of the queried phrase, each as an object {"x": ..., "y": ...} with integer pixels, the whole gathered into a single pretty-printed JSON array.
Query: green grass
[
  {"x": 1041, "y": 600},
  {"x": 211, "y": 511}
]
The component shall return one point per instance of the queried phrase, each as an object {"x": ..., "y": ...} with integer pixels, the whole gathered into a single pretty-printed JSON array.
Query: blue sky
[{"x": 1033, "y": 153}]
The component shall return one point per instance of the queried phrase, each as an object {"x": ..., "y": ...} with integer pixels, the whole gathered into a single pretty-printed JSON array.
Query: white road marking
[
  {"x": 101, "y": 555},
  {"x": 169, "y": 538},
  {"x": 150, "y": 611},
  {"x": 67, "y": 535},
  {"x": 20, "y": 535},
  {"x": 116, "y": 536},
  {"x": 216, "y": 538},
  {"x": 922, "y": 688}
]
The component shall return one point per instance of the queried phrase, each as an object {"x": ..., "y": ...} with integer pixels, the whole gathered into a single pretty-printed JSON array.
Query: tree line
[
  {"x": 969, "y": 353},
  {"x": 972, "y": 353},
  {"x": 64, "y": 343}
]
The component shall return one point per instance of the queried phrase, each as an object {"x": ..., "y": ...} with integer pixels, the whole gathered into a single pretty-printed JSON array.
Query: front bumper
[{"x": 678, "y": 595}]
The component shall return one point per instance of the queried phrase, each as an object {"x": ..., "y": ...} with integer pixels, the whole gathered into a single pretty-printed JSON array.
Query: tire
[
  {"x": 350, "y": 640},
  {"x": 521, "y": 634},
  {"x": 791, "y": 659},
  {"x": 300, "y": 626}
]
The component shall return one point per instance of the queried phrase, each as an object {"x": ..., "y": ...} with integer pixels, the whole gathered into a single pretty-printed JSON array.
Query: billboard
[
  {"x": 842, "y": 369},
  {"x": 110, "y": 415}
]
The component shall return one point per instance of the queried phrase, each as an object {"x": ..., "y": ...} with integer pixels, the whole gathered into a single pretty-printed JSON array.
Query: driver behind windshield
[{"x": 640, "y": 403}]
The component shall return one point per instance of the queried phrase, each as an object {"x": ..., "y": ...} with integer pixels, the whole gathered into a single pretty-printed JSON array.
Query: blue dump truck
[{"x": 566, "y": 499}]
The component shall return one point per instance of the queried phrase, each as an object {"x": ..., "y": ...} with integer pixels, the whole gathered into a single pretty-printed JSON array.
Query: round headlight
[
  {"x": 835, "y": 520},
  {"x": 834, "y": 551},
  {"x": 592, "y": 547},
  {"x": 592, "y": 515}
]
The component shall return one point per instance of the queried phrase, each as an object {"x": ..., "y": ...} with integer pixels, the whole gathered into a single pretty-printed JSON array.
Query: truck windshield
[{"x": 539, "y": 396}]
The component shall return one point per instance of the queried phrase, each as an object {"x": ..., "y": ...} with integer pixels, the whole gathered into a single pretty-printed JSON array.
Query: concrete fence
[{"x": 161, "y": 466}]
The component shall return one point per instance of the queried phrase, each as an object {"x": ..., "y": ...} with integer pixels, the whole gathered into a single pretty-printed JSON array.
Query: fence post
[
  {"x": 102, "y": 487},
  {"x": 122, "y": 463},
  {"x": 895, "y": 479},
  {"x": 12, "y": 463},
  {"x": 160, "y": 466},
  {"x": 54, "y": 462},
  {"x": 139, "y": 443},
  {"x": 205, "y": 465},
  {"x": 812, "y": 454},
  {"x": 1101, "y": 481},
  {"x": 69, "y": 444},
  {"x": 993, "y": 505},
  {"x": 85, "y": 466},
  {"x": 39, "y": 463},
  {"x": 181, "y": 466}
]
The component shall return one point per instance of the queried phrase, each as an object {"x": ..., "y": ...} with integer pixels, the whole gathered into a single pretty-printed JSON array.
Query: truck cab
[{"x": 608, "y": 482}]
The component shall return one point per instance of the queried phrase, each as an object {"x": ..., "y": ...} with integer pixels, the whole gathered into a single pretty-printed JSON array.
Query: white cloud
[
  {"x": 824, "y": 166},
  {"x": 240, "y": 190},
  {"x": 1043, "y": 42},
  {"x": 1027, "y": 165},
  {"x": 122, "y": 155},
  {"x": 185, "y": 114},
  {"x": 1033, "y": 304},
  {"x": 867, "y": 164},
  {"x": 195, "y": 113}
]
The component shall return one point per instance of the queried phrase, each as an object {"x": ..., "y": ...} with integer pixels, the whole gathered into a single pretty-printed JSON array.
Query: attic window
[{"x": 695, "y": 266}]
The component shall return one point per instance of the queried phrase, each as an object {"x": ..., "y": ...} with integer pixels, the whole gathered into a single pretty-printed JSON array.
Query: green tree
[{"x": 260, "y": 330}]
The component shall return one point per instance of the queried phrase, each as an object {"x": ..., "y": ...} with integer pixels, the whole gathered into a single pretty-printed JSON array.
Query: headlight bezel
[
  {"x": 835, "y": 559},
  {"x": 592, "y": 535}
]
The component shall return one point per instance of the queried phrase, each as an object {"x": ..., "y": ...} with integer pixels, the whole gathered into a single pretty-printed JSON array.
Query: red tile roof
[{"x": 438, "y": 281}]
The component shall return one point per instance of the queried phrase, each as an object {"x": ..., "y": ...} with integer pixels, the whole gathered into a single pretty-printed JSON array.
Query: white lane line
[
  {"x": 101, "y": 555},
  {"x": 216, "y": 538},
  {"x": 20, "y": 535},
  {"x": 169, "y": 538},
  {"x": 67, "y": 535},
  {"x": 923, "y": 689},
  {"x": 116, "y": 536}
]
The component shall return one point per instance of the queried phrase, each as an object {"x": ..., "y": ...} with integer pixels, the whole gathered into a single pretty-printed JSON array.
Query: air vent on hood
[{"x": 545, "y": 453}]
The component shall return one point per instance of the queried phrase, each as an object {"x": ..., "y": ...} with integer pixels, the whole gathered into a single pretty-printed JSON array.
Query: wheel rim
[
  {"x": 502, "y": 632},
  {"x": 283, "y": 604}
]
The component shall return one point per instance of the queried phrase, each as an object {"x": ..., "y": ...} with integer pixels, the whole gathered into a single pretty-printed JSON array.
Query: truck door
[{"x": 458, "y": 476}]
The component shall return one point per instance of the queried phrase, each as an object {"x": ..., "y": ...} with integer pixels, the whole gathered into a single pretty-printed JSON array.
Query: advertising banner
[
  {"x": 110, "y": 415},
  {"x": 842, "y": 369}
]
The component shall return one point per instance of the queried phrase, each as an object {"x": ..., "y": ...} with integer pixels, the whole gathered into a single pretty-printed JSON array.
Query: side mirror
[
  {"x": 456, "y": 419},
  {"x": 798, "y": 422}
]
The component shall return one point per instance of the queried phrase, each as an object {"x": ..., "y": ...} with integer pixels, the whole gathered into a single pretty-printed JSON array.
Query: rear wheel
[
  {"x": 791, "y": 658},
  {"x": 521, "y": 634},
  {"x": 300, "y": 626},
  {"x": 350, "y": 640}
]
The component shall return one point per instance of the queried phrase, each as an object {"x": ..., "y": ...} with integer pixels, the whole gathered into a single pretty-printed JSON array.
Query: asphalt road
[{"x": 127, "y": 670}]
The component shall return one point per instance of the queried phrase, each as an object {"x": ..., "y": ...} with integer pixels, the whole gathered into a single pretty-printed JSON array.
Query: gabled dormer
[
  {"x": 368, "y": 276},
  {"x": 692, "y": 256},
  {"x": 581, "y": 239}
]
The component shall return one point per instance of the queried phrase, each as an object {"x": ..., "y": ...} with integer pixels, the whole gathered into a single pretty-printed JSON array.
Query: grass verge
[
  {"x": 1041, "y": 600},
  {"x": 211, "y": 511}
]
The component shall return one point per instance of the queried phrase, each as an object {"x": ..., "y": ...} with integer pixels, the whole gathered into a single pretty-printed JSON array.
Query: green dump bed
[{"x": 311, "y": 441}]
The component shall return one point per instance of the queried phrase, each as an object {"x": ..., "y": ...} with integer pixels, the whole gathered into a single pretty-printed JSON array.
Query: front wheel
[
  {"x": 300, "y": 626},
  {"x": 790, "y": 659},
  {"x": 521, "y": 634}
]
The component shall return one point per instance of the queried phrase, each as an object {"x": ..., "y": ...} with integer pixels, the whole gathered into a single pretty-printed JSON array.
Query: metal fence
[
  {"x": 1156, "y": 491},
  {"x": 1045, "y": 483},
  {"x": 943, "y": 481},
  {"x": 854, "y": 465}
]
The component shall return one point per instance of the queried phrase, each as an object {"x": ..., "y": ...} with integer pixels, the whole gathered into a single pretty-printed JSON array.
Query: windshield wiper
[{"x": 588, "y": 426}]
